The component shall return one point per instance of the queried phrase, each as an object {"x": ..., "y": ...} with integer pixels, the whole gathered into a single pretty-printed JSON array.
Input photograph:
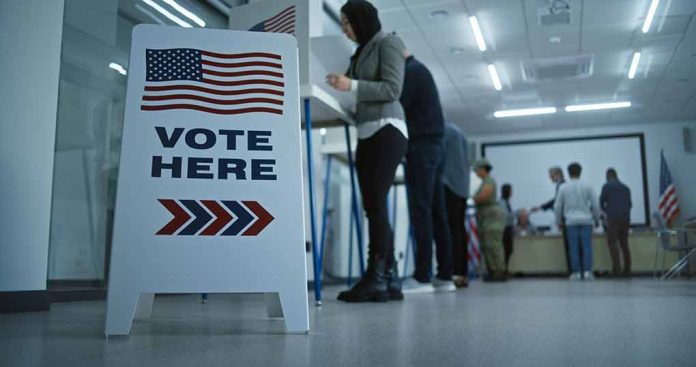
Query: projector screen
[{"x": 525, "y": 165}]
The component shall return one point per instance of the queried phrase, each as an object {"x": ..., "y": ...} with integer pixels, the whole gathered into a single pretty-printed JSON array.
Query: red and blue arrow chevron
[{"x": 214, "y": 218}]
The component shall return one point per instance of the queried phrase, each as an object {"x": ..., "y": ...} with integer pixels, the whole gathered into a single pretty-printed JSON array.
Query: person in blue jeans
[
  {"x": 577, "y": 210},
  {"x": 425, "y": 166}
]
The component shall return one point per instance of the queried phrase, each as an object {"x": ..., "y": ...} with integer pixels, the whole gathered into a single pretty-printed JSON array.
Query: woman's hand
[{"x": 339, "y": 82}]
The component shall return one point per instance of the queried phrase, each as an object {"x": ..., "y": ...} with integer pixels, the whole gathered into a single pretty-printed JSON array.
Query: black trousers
[
  {"x": 425, "y": 164},
  {"x": 508, "y": 242},
  {"x": 567, "y": 250},
  {"x": 617, "y": 231},
  {"x": 456, "y": 213},
  {"x": 376, "y": 160}
]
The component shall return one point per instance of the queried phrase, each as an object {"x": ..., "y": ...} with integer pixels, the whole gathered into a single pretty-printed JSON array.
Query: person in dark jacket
[
  {"x": 615, "y": 201},
  {"x": 425, "y": 164}
]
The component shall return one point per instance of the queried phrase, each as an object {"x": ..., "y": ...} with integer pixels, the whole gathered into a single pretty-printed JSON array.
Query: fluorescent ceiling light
[
  {"x": 477, "y": 33},
  {"x": 634, "y": 65},
  {"x": 118, "y": 68},
  {"x": 149, "y": 14},
  {"x": 167, "y": 14},
  {"x": 597, "y": 106},
  {"x": 185, "y": 12},
  {"x": 650, "y": 16},
  {"x": 525, "y": 112},
  {"x": 494, "y": 77}
]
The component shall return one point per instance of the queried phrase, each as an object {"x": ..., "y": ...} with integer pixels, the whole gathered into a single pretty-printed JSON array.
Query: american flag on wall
[
  {"x": 211, "y": 82},
  {"x": 283, "y": 22},
  {"x": 668, "y": 203},
  {"x": 474, "y": 251}
]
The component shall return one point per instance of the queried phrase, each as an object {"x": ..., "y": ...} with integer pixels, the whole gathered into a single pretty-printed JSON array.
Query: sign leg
[
  {"x": 144, "y": 308},
  {"x": 120, "y": 311},
  {"x": 295, "y": 309},
  {"x": 273, "y": 306}
]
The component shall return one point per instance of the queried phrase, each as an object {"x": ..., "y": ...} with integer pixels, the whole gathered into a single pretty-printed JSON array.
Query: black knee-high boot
[
  {"x": 373, "y": 287},
  {"x": 393, "y": 280}
]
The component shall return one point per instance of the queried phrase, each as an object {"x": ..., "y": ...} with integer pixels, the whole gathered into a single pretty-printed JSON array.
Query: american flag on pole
[
  {"x": 668, "y": 203},
  {"x": 474, "y": 252},
  {"x": 283, "y": 22},
  {"x": 211, "y": 82}
]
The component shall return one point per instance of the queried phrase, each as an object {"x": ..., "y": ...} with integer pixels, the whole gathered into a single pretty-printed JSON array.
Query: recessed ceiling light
[
  {"x": 555, "y": 39},
  {"x": 634, "y": 65},
  {"x": 495, "y": 78},
  {"x": 167, "y": 14},
  {"x": 524, "y": 112},
  {"x": 149, "y": 14},
  {"x": 195, "y": 18},
  {"x": 477, "y": 33},
  {"x": 597, "y": 106},
  {"x": 118, "y": 68},
  {"x": 650, "y": 16},
  {"x": 438, "y": 14}
]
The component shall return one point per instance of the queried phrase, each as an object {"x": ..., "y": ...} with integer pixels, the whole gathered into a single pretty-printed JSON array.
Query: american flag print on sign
[
  {"x": 668, "y": 203},
  {"x": 211, "y": 82},
  {"x": 283, "y": 22}
]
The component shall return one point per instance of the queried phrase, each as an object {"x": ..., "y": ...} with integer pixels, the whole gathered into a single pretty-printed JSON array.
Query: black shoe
[
  {"x": 371, "y": 288},
  {"x": 394, "y": 283}
]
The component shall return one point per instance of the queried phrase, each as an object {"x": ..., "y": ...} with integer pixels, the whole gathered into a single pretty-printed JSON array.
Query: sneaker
[
  {"x": 460, "y": 281},
  {"x": 575, "y": 276},
  {"x": 411, "y": 286},
  {"x": 588, "y": 275},
  {"x": 441, "y": 285}
]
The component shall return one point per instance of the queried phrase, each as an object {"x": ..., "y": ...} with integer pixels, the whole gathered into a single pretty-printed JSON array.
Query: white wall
[
  {"x": 30, "y": 37},
  {"x": 525, "y": 166},
  {"x": 662, "y": 135}
]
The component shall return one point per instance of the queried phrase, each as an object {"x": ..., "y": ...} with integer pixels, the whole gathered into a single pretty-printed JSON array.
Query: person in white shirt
[{"x": 577, "y": 209}]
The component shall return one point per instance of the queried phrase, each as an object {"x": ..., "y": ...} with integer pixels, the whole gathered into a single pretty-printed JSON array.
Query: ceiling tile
[
  {"x": 396, "y": 20},
  {"x": 502, "y": 24},
  {"x": 667, "y": 26},
  {"x": 456, "y": 18},
  {"x": 678, "y": 7},
  {"x": 382, "y": 5}
]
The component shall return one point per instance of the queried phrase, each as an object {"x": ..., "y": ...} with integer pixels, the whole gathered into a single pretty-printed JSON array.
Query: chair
[{"x": 665, "y": 241}]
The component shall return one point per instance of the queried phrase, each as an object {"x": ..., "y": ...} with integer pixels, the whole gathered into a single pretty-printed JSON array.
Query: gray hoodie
[{"x": 576, "y": 204}]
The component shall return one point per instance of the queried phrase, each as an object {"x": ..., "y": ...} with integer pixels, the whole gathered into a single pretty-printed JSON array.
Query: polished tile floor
[{"x": 521, "y": 323}]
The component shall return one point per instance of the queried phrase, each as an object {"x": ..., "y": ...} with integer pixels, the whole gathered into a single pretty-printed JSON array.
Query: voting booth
[
  {"x": 210, "y": 195},
  {"x": 323, "y": 107}
]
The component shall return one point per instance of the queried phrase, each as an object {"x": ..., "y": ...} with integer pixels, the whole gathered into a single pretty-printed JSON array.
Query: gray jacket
[
  {"x": 576, "y": 204},
  {"x": 456, "y": 175},
  {"x": 379, "y": 70}
]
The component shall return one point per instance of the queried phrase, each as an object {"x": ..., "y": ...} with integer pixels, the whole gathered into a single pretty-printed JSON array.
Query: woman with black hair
[
  {"x": 375, "y": 75},
  {"x": 491, "y": 222}
]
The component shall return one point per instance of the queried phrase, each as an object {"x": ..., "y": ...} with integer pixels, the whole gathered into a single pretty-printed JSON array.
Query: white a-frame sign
[{"x": 210, "y": 194}]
